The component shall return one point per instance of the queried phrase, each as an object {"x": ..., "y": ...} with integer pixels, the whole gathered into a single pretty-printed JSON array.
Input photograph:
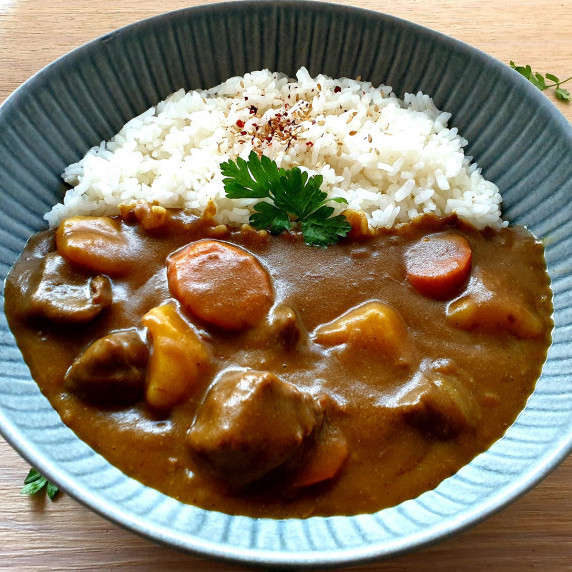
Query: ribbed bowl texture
[{"x": 516, "y": 135}]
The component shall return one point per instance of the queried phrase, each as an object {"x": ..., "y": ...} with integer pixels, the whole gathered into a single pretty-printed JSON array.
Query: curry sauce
[{"x": 342, "y": 390}]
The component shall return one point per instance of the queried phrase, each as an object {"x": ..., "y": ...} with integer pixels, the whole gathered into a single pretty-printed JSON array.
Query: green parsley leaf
[
  {"x": 538, "y": 80},
  {"x": 51, "y": 490},
  {"x": 322, "y": 230},
  {"x": 562, "y": 94},
  {"x": 35, "y": 482},
  {"x": 248, "y": 180},
  {"x": 298, "y": 194},
  {"x": 293, "y": 194},
  {"x": 33, "y": 475},
  {"x": 269, "y": 216},
  {"x": 540, "y": 83},
  {"x": 552, "y": 77}
]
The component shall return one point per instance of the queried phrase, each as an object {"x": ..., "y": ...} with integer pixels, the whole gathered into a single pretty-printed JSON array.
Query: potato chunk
[
  {"x": 251, "y": 423},
  {"x": 96, "y": 243},
  {"x": 178, "y": 360},
  {"x": 485, "y": 307},
  {"x": 373, "y": 326}
]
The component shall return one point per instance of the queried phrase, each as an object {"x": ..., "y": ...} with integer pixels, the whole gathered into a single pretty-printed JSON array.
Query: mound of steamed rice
[{"x": 393, "y": 159}]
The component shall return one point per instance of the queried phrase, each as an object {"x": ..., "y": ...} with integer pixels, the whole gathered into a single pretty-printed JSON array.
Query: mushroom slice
[{"x": 62, "y": 296}]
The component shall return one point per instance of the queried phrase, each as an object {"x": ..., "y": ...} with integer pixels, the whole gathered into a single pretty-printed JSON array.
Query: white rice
[{"x": 393, "y": 159}]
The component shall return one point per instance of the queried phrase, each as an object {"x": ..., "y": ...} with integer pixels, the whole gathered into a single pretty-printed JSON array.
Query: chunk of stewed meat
[
  {"x": 61, "y": 295},
  {"x": 287, "y": 327},
  {"x": 111, "y": 371},
  {"x": 250, "y": 423},
  {"x": 438, "y": 400}
]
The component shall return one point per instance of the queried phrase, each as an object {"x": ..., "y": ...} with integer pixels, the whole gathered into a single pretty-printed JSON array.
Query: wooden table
[{"x": 35, "y": 534}]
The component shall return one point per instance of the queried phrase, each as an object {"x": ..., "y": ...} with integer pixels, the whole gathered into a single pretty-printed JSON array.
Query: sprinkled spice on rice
[{"x": 393, "y": 159}]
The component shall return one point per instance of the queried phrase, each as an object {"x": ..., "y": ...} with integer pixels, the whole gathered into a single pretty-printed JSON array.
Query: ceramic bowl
[{"x": 516, "y": 135}]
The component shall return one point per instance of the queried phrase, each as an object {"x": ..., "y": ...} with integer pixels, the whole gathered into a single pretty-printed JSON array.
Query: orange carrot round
[
  {"x": 220, "y": 283},
  {"x": 325, "y": 461},
  {"x": 438, "y": 265}
]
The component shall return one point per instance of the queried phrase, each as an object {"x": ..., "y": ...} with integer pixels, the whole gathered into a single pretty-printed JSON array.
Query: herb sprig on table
[
  {"x": 292, "y": 194},
  {"x": 539, "y": 81},
  {"x": 35, "y": 482}
]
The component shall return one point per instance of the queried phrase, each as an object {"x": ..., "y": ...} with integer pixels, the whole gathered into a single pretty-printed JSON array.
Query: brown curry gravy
[{"x": 389, "y": 459}]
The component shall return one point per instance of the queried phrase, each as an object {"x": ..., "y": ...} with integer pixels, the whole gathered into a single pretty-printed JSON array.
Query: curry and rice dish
[{"x": 237, "y": 368}]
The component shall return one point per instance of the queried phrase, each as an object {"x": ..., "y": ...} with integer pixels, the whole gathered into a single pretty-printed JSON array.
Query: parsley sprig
[
  {"x": 35, "y": 482},
  {"x": 294, "y": 196},
  {"x": 539, "y": 81}
]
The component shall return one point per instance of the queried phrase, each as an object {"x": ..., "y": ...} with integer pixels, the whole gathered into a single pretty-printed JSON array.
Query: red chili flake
[
  {"x": 240, "y": 123},
  {"x": 337, "y": 89},
  {"x": 309, "y": 144},
  {"x": 243, "y": 132},
  {"x": 253, "y": 109}
]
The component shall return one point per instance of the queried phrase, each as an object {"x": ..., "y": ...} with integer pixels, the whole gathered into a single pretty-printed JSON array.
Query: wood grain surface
[{"x": 534, "y": 533}]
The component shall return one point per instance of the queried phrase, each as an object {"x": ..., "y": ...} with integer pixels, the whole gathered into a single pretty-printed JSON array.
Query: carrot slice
[
  {"x": 98, "y": 243},
  {"x": 220, "y": 283},
  {"x": 438, "y": 265},
  {"x": 325, "y": 461}
]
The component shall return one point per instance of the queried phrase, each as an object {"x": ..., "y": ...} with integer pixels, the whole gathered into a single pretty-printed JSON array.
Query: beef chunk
[
  {"x": 438, "y": 400},
  {"x": 111, "y": 371},
  {"x": 250, "y": 423},
  {"x": 287, "y": 327},
  {"x": 64, "y": 296}
]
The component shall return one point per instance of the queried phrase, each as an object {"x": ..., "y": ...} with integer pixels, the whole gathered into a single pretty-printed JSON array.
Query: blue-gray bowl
[{"x": 516, "y": 135}]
